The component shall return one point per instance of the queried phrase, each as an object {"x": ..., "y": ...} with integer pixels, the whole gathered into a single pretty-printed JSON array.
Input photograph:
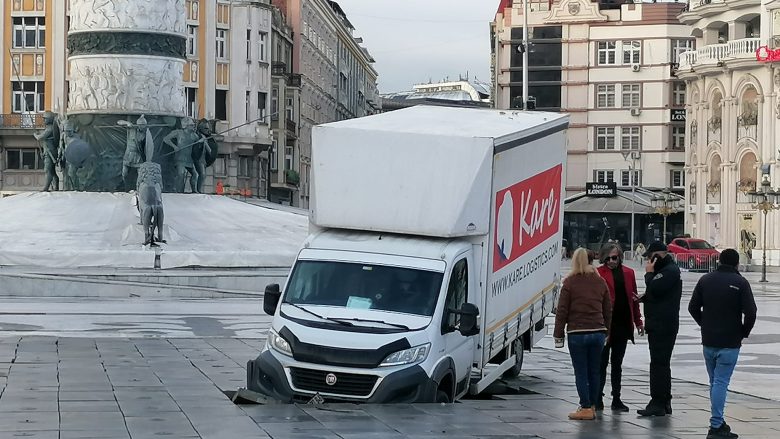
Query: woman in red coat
[{"x": 625, "y": 316}]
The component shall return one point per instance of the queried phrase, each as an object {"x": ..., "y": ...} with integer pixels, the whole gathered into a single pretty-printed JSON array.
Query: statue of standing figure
[
  {"x": 134, "y": 152},
  {"x": 74, "y": 154},
  {"x": 49, "y": 141},
  {"x": 187, "y": 139}
]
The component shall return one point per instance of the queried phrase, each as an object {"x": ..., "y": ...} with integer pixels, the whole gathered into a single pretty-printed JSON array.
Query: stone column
[{"x": 125, "y": 61}]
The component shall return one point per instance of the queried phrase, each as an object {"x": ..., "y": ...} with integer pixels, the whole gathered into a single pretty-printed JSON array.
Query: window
[
  {"x": 630, "y": 138},
  {"x": 274, "y": 102},
  {"x": 631, "y": 95},
  {"x": 678, "y": 137},
  {"x": 290, "y": 109},
  {"x": 624, "y": 178},
  {"x": 192, "y": 101},
  {"x": 605, "y": 138},
  {"x": 222, "y": 52},
  {"x": 457, "y": 295},
  {"x": 261, "y": 101},
  {"x": 605, "y": 96},
  {"x": 220, "y": 104},
  {"x": 602, "y": 176},
  {"x": 678, "y": 94},
  {"x": 249, "y": 45},
  {"x": 680, "y": 46},
  {"x": 288, "y": 158},
  {"x": 28, "y": 96},
  {"x": 29, "y": 32},
  {"x": 677, "y": 178},
  {"x": 248, "y": 105},
  {"x": 22, "y": 159},
  {"x": 263, "y": 38},
  {"x": 606, "y": 53},
  {"x": 272, "y": 156},
  {"x": 632, "y": 52},
  {"x": 192, "y": 40},
  {"x": 244, "y": 166},
  {"x": 220, "y": 165}
]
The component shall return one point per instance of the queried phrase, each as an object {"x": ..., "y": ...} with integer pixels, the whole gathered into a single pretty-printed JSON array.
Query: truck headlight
[
  {"x": 414, "y": 355},
  {"x": 279, "y": 344}
]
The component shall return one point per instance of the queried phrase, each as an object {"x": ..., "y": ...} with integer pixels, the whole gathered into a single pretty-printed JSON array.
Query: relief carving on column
[
  {"x": 126, "y": 85},
  {"x": 151, "y": 15}
]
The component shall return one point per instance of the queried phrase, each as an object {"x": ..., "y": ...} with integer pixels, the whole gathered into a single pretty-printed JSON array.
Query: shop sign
[
  {"x": 678, "y": 115},
  {"x": 765, "y": 54},
  {"x": 608, "y": 189}
]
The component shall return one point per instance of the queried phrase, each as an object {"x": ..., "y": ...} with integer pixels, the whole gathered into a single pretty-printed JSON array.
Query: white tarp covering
[{"x": 79, "y": 229}]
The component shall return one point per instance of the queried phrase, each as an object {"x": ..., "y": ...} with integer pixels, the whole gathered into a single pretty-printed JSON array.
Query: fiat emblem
[{"x": 330, "y": 379}]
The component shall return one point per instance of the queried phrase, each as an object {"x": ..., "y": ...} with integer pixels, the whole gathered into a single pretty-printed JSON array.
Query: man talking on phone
[{"x": 662, "y": 322}]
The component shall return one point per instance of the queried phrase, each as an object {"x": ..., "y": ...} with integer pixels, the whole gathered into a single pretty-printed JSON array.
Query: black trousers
[
  {"x": 613, "y": 352},
  {"x": 661, "y": 346}
]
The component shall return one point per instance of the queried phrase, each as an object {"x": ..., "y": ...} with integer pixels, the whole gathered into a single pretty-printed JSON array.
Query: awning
[{"x": 582, "y": 203}]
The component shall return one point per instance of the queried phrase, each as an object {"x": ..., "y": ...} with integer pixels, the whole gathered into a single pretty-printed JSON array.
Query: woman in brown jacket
[{"x": 585, "y": 311}]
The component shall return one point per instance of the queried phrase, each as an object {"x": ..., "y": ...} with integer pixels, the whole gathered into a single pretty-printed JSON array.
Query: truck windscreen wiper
[
  {"x": 395, "y": 325},
  {"x": 319, "y": 316}
]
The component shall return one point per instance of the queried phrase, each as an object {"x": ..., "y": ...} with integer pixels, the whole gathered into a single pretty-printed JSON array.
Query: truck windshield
[{"x": 363, "y": 286}]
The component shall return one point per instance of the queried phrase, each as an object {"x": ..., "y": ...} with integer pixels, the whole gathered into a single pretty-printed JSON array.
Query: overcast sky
[{"x": 414, "y": 41}]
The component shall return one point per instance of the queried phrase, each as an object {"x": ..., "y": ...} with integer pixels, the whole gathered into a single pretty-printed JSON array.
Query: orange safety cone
[{"x": 220, "y": 188}]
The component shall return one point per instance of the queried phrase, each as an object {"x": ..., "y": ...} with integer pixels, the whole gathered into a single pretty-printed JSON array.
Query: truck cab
[{"x": 373, "y": 317}]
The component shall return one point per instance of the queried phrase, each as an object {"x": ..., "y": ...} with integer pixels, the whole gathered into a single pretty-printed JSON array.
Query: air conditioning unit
[
  {"x": 635, "y": 67},
  {"x": 636, "y": 111}
]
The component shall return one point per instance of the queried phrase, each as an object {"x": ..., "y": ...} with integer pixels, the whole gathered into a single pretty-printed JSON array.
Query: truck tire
[{"x": 519, "y": 350}]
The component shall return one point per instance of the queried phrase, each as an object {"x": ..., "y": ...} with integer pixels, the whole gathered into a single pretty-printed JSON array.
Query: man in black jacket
[
  {"x": 718, "y": 304},
  {"x": 662, "y": 322}
]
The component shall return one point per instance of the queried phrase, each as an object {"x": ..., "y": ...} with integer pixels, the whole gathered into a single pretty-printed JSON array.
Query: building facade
[
  {"x": 732, "y": 108},
  {"x": 609, "y": 66},
  {"x": 338, "y": 80},
  {"x": 227, "y": 77}
]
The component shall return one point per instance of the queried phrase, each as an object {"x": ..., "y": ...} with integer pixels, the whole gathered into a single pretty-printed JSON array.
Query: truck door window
[{"x": 457, "y": 295}]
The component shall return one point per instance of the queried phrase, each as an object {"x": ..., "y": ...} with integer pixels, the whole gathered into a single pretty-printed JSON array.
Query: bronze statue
[
  {"x": 149, "y": 196},
  {"x": 48, "y": 140},
  {"x": 135, "y": 150},
  {"x": 75, "y": 153},
  {"x": 184, "y": 159}
]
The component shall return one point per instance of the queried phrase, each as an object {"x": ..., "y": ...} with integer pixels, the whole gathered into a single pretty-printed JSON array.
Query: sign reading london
[{"x": 608, "y": 189}]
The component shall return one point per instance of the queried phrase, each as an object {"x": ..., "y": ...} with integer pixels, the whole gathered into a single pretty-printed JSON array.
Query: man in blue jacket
[
  {"x": 718, "y": 304},
  {"x": 662, "y": 322}
]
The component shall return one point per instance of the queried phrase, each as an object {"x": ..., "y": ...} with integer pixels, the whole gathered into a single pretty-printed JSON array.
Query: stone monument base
[{"x": 81, "y": 230}]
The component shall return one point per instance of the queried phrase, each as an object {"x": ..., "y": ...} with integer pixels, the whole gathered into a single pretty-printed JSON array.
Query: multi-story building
[
  {"x": 227, "y": 77},
  {"x": 338, "y": 80},
  {"x": 732, "y": 117},
  {"x": 609, "y": 66}
]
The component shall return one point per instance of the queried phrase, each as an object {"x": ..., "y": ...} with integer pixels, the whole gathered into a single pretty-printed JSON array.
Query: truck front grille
[{"x": 350, "y": 384}]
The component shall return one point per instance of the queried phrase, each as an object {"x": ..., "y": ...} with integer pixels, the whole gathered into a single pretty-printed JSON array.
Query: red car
[{"x": 694, "y": 254}]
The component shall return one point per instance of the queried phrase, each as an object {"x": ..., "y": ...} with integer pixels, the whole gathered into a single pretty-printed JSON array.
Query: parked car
[{"x": 694, "y": 254}]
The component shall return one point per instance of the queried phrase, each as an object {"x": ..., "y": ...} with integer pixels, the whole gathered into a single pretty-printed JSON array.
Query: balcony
[
  {"x": 17, "y": 121},
  {"x": 714, "y": 54},
  {"x": 279, "y": 69},
  {"x": 291, "y": 128},
  {"x": 295, "y": 80},
  {"x": 699, "y": 4}
]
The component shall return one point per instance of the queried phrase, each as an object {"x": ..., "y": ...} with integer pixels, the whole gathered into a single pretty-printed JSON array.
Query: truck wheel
[
  {"x": 517, "y": 347},
  {"x": 442, "y": 397}
]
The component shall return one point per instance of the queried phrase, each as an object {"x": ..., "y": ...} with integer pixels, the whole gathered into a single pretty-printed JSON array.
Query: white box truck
[{"x": 433, "y": 259}]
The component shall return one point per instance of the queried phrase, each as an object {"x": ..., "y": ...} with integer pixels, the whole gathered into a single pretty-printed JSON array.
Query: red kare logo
[{"x": 527, "y": 214}]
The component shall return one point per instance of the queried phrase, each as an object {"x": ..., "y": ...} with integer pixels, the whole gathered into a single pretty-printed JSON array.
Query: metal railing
[
  {"x": 23, "y": 121},
  {"x": 715, "y": 53},
  {"x": 696, "y": 261}
]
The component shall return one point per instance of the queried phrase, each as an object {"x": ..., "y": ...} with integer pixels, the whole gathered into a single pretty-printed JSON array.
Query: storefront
[{"x": 603, "y": 213}]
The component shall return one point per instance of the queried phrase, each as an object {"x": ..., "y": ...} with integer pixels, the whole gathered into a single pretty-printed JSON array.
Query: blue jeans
[
  {"x": 720, "y": 365},
  {"x": 585, "y": 351}
]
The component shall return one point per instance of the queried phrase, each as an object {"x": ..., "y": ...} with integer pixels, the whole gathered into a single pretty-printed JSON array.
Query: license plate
[{"x": 317, "y": 399}]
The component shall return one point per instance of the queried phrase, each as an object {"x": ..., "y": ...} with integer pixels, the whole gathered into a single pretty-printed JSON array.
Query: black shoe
[
  {"x": 668, "y": 408},
  {"x": 618, "y": 406},
  {"x": 652, "y": 410},
  {"x": 723, "y": 431},
  {"x": 599, "y": 406}
]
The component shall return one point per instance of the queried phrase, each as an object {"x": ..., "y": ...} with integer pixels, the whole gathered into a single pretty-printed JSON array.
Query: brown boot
[{"x": 583, "y": 414}]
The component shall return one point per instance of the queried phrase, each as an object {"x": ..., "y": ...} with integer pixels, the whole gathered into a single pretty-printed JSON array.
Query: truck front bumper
[{"x": 268, "y": 376}]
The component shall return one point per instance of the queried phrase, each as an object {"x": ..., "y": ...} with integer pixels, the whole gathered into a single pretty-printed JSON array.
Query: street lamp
[
  {"x": 634, "y": 156},
  {"x": 665, "y": 205},
  {"x": 765, "y": 200}
]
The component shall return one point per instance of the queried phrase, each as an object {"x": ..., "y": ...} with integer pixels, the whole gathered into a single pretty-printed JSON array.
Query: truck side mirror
[
  {"x": 271, "y": 298},
  {"x": 468, "y": 320}
]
